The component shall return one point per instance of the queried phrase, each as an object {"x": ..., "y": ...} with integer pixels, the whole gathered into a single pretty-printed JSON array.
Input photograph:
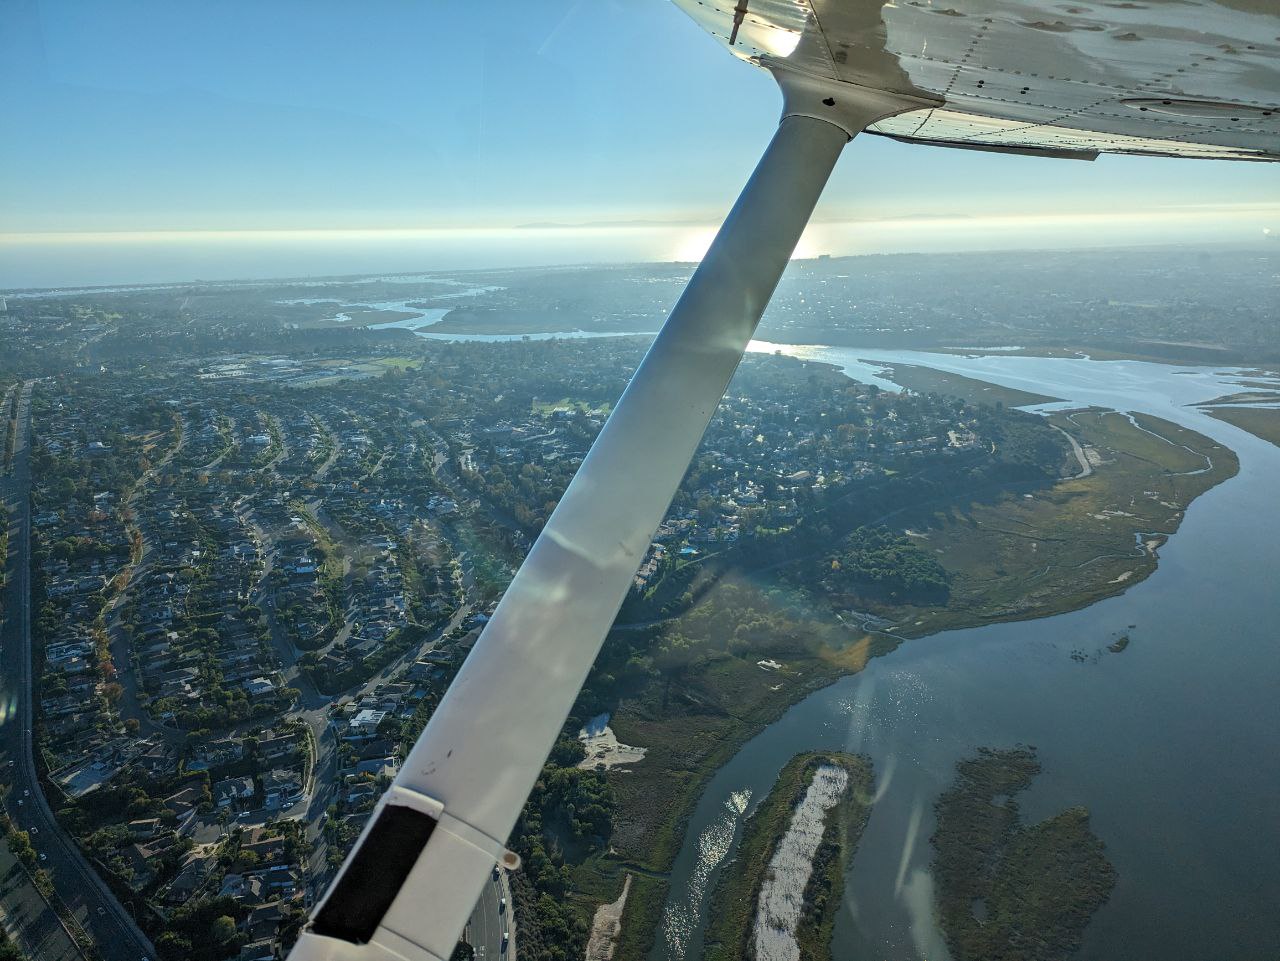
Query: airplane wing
[
  {"x": 1178, "y": 78},
  {"x": 1193, "y": 78}
]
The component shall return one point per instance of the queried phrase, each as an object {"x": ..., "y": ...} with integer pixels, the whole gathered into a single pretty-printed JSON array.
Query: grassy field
[
  {"x": 737, "y": 893},
  {"x": 333, "y": 563},
  {"x": 398, "y": 363},
  {"x": 924, "y": 380},
  {"x": 360, "y": 317},
  {"x": 694, "y": 724},
  {"x": 1262, "y": 422},
  {"x": 1087, "y": 538}
]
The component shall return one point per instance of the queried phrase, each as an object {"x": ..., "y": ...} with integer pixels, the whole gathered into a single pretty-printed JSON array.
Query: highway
[
  {"x": 27, "y": 917},
  {"x": 491, "y": 919},
  {"x": 96, "y": 910}
]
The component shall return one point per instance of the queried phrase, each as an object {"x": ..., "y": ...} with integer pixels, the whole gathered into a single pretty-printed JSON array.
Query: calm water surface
[{"x": 1172, "y": 744}]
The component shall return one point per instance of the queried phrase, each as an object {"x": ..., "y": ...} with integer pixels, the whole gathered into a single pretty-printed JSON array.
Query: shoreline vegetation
[
  {"x": 1006, "y": 890},
  {"x": 1017, "y": 555},
  {"x": 1261, "y": 422},
  {"x": 735, "y": 899},
  {"x": 923, "y": 380}
]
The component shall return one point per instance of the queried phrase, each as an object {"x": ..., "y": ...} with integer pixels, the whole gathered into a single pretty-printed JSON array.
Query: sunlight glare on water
[{"x": 714, "y": 845}]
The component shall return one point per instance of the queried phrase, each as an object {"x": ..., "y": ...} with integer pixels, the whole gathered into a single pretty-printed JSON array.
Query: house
[
  {"x": 281, "y": 788},
  {"x": 224, "y": 750},
  {"x": 264, "y": 921},
  {"x": 183, "y": 801},
  {"x": 280, "y": 746},
  {"x": 261, "y": 950},
  {"x": 137, "y": 873},
  {"x": 361, "y": 791},
  {"x": 379, "y": 767},
  {"x": 144, "y": 828},
  {"x": 188, "y": 879},
  {"x": 366, "y": 722},
  {"x": 282, "y": 879},
  {"x": 228, "y": 792},
  {"x": 258, "y": 687},
  {"x": 158, "y": 761},
  {"x": 378, "y": 747},
  {"x": 242, "y": 887},
  {"x": 266, "y": 847}
]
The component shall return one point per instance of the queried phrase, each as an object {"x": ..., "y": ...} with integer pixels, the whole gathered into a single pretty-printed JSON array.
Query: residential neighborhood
[{"x": 256, "y": 572}]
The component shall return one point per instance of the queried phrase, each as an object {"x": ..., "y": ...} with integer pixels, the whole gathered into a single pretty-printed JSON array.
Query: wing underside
[{"x": 1182, "y": 78}]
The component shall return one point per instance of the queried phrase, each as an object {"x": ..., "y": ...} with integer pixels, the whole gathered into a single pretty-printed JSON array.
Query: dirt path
[
  {"x": 606, "y": 926},
  {"x": 1085, "y": 467}
]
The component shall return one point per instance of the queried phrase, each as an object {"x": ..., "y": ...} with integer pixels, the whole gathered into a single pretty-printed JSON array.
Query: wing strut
[{"x": 408, "y": 887}]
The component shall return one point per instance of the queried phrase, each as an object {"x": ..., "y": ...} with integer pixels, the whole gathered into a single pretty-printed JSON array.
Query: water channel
[{"x": 1171, "y": 744}]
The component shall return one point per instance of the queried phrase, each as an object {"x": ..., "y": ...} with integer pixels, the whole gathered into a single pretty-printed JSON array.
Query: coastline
[{"x": 680, "y": 767}]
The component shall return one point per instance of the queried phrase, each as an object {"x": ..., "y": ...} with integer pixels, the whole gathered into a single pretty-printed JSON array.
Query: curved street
[{"x": 89, "y": 903}]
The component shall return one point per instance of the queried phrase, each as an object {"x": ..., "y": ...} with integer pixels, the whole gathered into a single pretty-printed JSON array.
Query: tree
[
  {"x": 223, "y": 929},
  {"x": 20, "y": 845},
  {"x": 9, "y": 951}
]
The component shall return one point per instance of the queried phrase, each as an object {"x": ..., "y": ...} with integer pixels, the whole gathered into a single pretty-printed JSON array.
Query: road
[
  {"x": 1085, "y": 467},
  {"x": 27, "y": 917},
  {"x": 491, "y": 919},
  {"x": 94, "y": 907}
]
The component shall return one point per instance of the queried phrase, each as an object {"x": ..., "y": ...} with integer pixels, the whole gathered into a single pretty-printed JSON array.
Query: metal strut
[{"x": 408, "y": 887}]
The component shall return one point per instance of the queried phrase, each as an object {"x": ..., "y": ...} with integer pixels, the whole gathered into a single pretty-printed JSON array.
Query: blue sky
[{"x": 245, "y": 116}]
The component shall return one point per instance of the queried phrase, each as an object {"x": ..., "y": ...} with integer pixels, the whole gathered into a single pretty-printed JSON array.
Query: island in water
[
  {"x": 1007, "y": 890},
  {"x": 799, "y": 841}
]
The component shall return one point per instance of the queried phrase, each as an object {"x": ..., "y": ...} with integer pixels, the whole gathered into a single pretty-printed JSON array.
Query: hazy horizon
[
  {"x": 60, "y": 260},
  {"x": 354, "y": 141}
]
